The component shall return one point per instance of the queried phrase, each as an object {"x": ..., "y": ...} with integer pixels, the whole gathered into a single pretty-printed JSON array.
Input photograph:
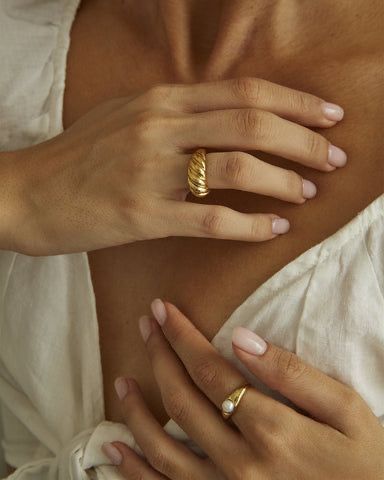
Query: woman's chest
[{"x": 109, "y": 58}]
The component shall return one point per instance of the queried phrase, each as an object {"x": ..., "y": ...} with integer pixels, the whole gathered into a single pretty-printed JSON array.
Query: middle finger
[
  {"x": 253, "y": 129},
  {"x": 242, "y": 171},
  {"x": 188, "y": 406},
  {"x": 217, "y": 378}
]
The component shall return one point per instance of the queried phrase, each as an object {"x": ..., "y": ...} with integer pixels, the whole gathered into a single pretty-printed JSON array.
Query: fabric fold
[{"x": 51, "y": 384}]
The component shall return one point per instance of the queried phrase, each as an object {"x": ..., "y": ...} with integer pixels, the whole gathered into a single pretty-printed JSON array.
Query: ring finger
[
  {"x": 164, "y": 453},
  {"x": 242, "y": 171}
]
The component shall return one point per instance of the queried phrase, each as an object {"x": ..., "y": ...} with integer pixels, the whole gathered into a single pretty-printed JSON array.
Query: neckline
[
  {"x": 326, "y": 247},
  {"x": 309, "y": 259},
  {"x": 295, "y": 267}
]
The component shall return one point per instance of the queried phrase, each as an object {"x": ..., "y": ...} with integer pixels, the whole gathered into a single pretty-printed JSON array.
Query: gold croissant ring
[
  {"x": 197, "y": 174},
  {"x": 228, "y": 407}
]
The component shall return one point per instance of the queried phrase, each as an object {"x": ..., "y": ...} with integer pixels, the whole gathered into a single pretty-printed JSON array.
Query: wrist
[{"x": 11, "y": 203}]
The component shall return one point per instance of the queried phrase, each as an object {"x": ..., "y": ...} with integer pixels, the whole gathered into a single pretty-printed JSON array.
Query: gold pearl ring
[{"x": 228, "y": 407}]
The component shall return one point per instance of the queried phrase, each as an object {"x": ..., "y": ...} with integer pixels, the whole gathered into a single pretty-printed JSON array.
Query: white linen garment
[{"x": 327, "y": 305}]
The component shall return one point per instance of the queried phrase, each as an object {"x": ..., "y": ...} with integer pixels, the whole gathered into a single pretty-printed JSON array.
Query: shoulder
[{"x": 34, "y": 38}]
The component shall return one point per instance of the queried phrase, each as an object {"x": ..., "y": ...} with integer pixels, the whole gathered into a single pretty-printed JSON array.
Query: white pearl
[{"x": 228, "y": 406}]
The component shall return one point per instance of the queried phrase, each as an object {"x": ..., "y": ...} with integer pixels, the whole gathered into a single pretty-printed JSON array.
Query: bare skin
[
  {"x": 280, "y": 443},
  {"x": 330, "y": 49}
]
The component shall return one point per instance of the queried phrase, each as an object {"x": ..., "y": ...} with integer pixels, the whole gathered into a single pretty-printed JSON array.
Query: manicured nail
[
  {"x": 145, "y": 326},
  {"x": 309, "y": 189},
  {"x": 112, "y": 453},
  {"x": 332, "y": 111},
  {"x": 336, "y": 156},
  {"x": 248, "y": 341},
  {"x": 159, "y": 311},
  {"x": 280, "y": 225},
  {"x": 121, "y": 387}
]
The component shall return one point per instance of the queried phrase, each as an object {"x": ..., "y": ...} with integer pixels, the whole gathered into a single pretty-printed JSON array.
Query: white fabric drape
[{"x": 327, "y": 305}]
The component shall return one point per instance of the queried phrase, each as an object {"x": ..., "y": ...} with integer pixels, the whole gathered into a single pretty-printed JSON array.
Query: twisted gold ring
[
  {"x": 228, "y": 407},
  {"x": 197, "y": 180}
]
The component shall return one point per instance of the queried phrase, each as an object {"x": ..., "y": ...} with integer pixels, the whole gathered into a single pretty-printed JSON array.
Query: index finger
[
  {"x": 215, "y": 376},
  {"x": 249, "y": 92}
]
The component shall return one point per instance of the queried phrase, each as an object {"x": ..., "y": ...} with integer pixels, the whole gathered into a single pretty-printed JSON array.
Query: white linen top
[{"x": 327, "y": 305}]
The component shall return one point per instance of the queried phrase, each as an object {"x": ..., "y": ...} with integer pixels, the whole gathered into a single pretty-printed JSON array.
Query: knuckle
[
  {"x": 313, "y": 145},
  {"x": 235, "y": 168},
  {"x": 247, "y": 88},
  {"x": 129, "y": 205},
  {"x": 299, "y": 101},
  {"x": 276, "y": 445},
  {"x": 146, "y": 124},
  {"x": 288, "y": 366},
  {"x": 352, "y": 404},
  {"x": 206, "y": 374},
  {"x": 274, "y": 422},
  {"x": 178, "y": 335},
  {"x": 293, "y": 184},
  {"x": 159, "y": 94},
  {"x": 279, "y": 421},
  {"x": 259, "y": 227},
  {"x": 176, "y": 405},
  {"x": 160, "y": 461},
  {"x": 212, "y": 221},
  {"x": 255, "y": 124},
  {"x": 248, "y": 120},
  {"x": 244, "y": 470},
  {"x": 131, "y": 210}
]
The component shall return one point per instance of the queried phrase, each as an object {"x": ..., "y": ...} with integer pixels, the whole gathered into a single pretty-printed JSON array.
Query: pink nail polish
[
  {"x": 248, "y": 341},
  {"x": 309, "y": 189},
  {"x": 280, "y": 225},
  {"x": 145, "y": 327},
  {"x": 331, "y": 111},
  {"x": 121, "y": 387},
  {"x": 336, "y": 156},
  {"x": 112, "y": 453},
  {"x": 159, "y": 311}
]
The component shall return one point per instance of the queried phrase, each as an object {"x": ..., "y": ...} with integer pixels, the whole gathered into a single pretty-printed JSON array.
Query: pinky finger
[
  {"x": 129, "y": 463},
  {"x": 220, "y": 222}
]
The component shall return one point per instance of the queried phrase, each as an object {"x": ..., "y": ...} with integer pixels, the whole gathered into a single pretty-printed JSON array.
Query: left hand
[{"x": 339, "y": 439}]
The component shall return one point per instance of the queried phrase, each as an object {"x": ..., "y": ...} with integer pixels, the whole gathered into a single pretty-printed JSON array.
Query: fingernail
[
  {"x": 332, "y": 111},
  {"x": 145, "y": 327},
  {"x": 159, "y": 311},
  {"x": 280, "y": 225},
  {"x": 336, "y": 156},
  {"x": 121, "y": 387},
  {"x": 309, "y": 189},
  {"x": 248, "y": 341},
  {"x": 112, "y": 453}
]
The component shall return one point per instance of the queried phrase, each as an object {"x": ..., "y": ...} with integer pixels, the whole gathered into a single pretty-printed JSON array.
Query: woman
[{"x": 168, "y": 42}]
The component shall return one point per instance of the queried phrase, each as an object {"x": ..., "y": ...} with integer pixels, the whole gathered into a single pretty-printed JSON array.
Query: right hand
[{"x": 119, "y": 173}]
